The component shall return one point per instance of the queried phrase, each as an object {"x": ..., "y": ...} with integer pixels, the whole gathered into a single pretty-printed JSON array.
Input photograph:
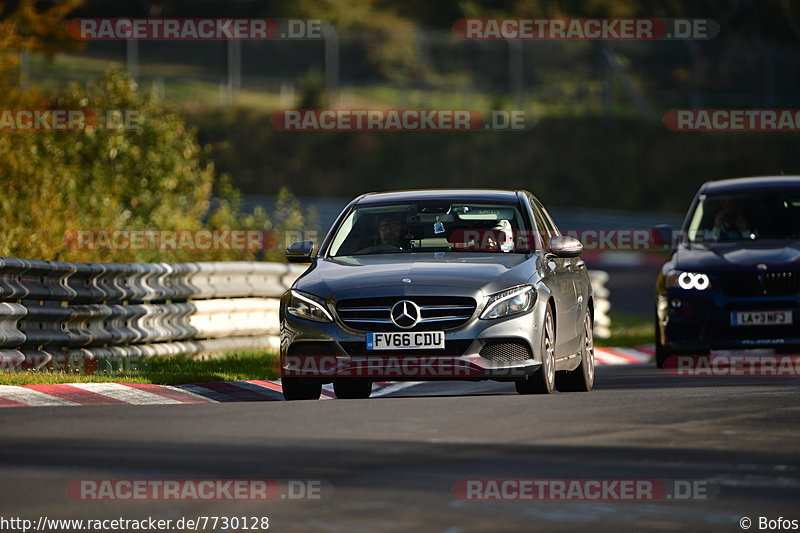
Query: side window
[
  {"x": 541, "y": 232},
  {"x": 551, "y": 225}
]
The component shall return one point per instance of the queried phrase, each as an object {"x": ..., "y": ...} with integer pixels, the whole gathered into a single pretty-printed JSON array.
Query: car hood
[
  {"x": 775, "y": 254},
  {"x": 383, "y": 274}
]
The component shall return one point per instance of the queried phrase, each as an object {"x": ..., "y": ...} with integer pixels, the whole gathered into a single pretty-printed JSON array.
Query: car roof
[
  {"x": 411, "y": 195},
  {"x": 761, "y": 183}
]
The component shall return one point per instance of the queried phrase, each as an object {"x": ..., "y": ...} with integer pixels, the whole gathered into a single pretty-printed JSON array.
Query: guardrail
[
  {"x": 117, "y": 310},
  {"x": 602, "y": 322},
  {"x": 109, "y": 310}
]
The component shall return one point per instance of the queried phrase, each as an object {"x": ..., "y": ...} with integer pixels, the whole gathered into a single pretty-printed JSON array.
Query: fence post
[
  {"x": 132, "y": 58},
  {"x": 644, "y": 110},
  {"x": 234, "y": 68},
  {"x": 331, "y": 38}
]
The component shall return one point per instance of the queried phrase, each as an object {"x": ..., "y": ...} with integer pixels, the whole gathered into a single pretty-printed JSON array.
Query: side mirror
[
  {"x": 564, "y": 246},
  {"x": 300, "y": 252},
  {"x": 662, "y": 237}
]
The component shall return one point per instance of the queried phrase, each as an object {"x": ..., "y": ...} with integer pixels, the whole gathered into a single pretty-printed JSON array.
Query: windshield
[
  {"x": 431, "y": 227},
  {"x": 746, "y": 216}
]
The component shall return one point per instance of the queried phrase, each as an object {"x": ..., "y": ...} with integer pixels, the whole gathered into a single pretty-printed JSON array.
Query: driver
[
  {"x": 730, "y": 222},
  {"x": 391, "y": 229}
]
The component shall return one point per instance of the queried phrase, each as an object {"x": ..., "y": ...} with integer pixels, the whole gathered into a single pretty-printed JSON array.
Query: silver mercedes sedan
[{"x": 438, "y": 284}]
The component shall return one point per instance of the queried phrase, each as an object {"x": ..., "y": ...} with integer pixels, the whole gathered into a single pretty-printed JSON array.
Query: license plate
[
  {"x": 421, "y": 340},
  {"x": 761, "y": 318}
]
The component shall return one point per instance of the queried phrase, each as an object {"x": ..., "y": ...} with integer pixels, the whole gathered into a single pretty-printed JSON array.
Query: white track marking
[
  {"x": 208, "y": 394},
  {"x": 640, "y": 356},
  {"x": 259, "y": 389},
  {"x": 606, "y": 357},
  {"x": 125, "y": 394},
  {"x": 328, "y": 387},
  {"x": 395, "y": 387},
  {"x": 31, "y": 397},
  {"x": 186, "y": 392}
]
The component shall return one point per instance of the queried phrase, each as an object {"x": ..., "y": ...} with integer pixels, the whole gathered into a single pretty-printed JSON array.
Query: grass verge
[
  {"x": 231, "y": 366},
  {"x": 628, "y": 330}
]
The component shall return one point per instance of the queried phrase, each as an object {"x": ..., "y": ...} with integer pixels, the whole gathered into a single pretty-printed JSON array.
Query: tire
[
  {"x": 543, "y": 381},
  {"x": 582, "y": 378},
  {"x": 301, "y": 389},
  {"x": 663, "y": 353},
  {"x": 352, "y": 389}
]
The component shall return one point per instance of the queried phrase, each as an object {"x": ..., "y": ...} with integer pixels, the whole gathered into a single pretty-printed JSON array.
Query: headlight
[
  {"x": 688, "y": 280},
  {"x": 309, "y": 307},
  {"x": 510, "y": 302}
]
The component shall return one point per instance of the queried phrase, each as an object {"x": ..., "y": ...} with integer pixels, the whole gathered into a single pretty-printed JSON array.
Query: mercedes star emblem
[{"x": 405, "y": 314}]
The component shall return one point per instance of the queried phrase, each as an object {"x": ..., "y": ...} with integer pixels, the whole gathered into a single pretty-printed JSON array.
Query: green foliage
[
  {"x": 165, "y": 370},
  {"x": 154, "y": 177},
  {"x": 628, "y": 330},
  {"x": 33, "y": 26}
]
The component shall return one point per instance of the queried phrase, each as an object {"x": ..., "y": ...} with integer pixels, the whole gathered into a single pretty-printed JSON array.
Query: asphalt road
[{"x": 390, "y": 464}]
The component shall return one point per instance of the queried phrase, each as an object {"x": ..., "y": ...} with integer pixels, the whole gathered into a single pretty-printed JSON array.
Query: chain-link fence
[{"x": 574, "y": 78}]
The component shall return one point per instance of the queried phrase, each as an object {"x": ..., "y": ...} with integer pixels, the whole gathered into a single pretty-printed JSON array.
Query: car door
[
  {"x": 574, "y": 299},
  {"x": 560, "y": 276}
]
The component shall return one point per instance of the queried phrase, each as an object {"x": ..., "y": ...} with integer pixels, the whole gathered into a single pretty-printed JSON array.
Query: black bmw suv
[{"x": 734, "y": 280}]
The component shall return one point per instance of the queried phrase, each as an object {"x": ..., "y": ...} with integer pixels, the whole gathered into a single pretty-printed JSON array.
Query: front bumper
[
  {"x": 703, "y": 321},
  {"x": 331, "y": 350}
]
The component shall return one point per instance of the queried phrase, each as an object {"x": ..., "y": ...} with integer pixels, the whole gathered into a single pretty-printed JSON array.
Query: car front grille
[
  {"x": 313, "y": 348},
  {"x": 760, "y": 284},
  {"x": 436, "y": 312},
  {"x": 506, "y": 351},
  {"x": 782, "y": 283}
]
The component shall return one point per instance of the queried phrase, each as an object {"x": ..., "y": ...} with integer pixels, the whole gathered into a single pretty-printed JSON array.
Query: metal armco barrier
[
  {"x": 602, "y": 322},
  {"x": 110, "y": 310},
  {"x": 118, "y": 310}
]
